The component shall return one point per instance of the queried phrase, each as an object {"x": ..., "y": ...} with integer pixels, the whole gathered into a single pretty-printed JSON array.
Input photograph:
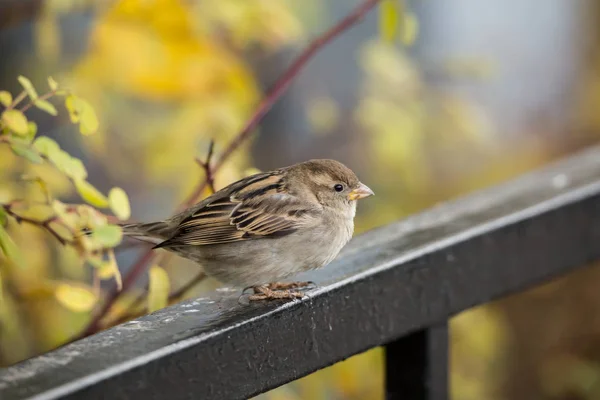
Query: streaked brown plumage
[{"x": 265, "y": 227}]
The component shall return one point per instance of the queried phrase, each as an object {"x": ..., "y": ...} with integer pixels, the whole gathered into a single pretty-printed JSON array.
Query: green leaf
[
  {"x": 70, "y": 166},
  {"x": 15, "y": 121},
  {"x": 119, "y": 203},
  {"x": 24, "y": 150},
  {"x": 76, "y": 169},
  {"x": 28, "y": 86},
  {"x": 46, "y": 146},
  {"x": 10, "y": 249},
  {"x": 390, "y": 13},
  {"x": 76, "y": 297},
  {"x": 52, "y": 84},
  {"x": 108, "y": 235},
  {"x": 73, "y": 106},
  {"x": 90, "y": 194},
  {"x": 158, "y": 288},
  {"x": 80, "y": 111},
  {"x": 5, "y": 98},
  {"x": 32, "y": 130},
  {"x": 46, "y": 106},
  {"x": 89, "y": 121}
]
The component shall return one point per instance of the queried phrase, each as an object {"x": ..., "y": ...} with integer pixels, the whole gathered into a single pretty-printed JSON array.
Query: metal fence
[{"x": 395, "y": 286}]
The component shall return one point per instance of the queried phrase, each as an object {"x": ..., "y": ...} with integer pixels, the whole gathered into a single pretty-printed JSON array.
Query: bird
[{"x": 266, "y": 227}]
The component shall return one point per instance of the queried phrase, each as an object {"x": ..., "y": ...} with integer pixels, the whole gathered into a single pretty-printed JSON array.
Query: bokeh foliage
[{"x": 161, "y": 79}]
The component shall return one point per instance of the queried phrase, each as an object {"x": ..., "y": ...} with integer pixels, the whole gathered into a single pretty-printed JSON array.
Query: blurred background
[{"x": 471, "y": 94}]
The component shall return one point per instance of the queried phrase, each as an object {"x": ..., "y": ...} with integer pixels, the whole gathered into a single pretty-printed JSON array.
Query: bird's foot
[
  {"x": 265, "y": 293},
  {"x": 289, "y": 285},
  {"x": 280, "y": 286}
]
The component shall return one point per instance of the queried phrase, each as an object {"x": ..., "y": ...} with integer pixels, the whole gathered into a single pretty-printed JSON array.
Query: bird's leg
[
  {"x": 288, "y": 285},
  {"x": 265, "y": 293}
]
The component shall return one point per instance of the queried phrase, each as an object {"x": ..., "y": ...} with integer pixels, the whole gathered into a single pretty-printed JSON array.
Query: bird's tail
[{"x": 151, "y": 232}]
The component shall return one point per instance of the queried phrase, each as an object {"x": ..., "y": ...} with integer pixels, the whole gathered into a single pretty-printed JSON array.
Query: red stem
[
  {"x": 283, "y": 83},
  {"x": 271, "y": 97}
]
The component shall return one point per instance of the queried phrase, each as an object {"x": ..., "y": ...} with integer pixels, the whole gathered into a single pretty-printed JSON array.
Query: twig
[
  {"x": 280, "y": 87},
  {"x": 271, "y": 97},
  {"x": 45, "y": 224},
  {"x": 42, "y": 97},
  {"x": 208, "y": 171}
]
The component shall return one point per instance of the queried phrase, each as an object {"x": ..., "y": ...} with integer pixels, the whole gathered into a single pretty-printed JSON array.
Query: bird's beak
[{"x": 360, "y": 192}]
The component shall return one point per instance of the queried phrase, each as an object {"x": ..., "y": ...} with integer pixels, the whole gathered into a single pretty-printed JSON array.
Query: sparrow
[{"x": 265, "y": 227}]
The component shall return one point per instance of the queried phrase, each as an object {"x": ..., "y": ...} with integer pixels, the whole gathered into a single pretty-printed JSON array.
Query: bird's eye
[{"x": 338, "y": 187}]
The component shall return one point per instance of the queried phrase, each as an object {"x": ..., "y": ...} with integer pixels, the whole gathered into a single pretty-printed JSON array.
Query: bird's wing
[{"x": 258, "y": 207}]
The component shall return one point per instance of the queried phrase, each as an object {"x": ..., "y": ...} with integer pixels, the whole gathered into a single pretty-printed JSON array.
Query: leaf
[
  {"x": 80, "y": 111},
  {"x": 32, "y": 130},
  {"x": 158, "y": 288},
  {"x": 24, "y": 150},
  {"x": 78, "y": 170},
  {"x": 52, "y": 84},
  {"x": 15, "y": 121},
  {"x": 5, "y": 98},
  {"x": 410, "y": 29},
  {"x": 108, "y": 269},
  {"x": 90, "y": 194},
  {"x": 119, "y": 203},
  {"x": 28, "y": 86},
  {"x": 108, "y": 235},
  {"x": 89, "y": 120},
  {"x": 46, "y": 146},
  {"x": 389, "y": 16},
  {"x": 46, "y": 106},
  {"x": 10, "y": 249},
  {"x": 75, "y": 297},
  {"x": 73, "y": 107},
  {"x": 3, "y": 216}
]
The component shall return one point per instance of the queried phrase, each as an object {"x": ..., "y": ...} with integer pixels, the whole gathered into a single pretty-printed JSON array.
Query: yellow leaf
[
  {"x": 15, "y": 121},
  {"x": 46, "y": 106},
  {"x": 80, "y": 111},
  {"x": 108, "y": 269},
  {"x": 10, "y": 249},
  {"x": 410, "y": 29},
  {"x": 73, "y": 107},
  {"x": 89, "y": 121},
  {"x": 5, "y": 98},
  {"x": 52, "y": 83},
  {"x": 389, "y": 16},
  {"x": 90, "y": 194},
  {"x": 108, "y": 235},
  {"x": 119, "y": 203},
  {"x": 28, "y": 86},
  {"x": 75, "y": 297},
  {"x": 158, "y": 290}
]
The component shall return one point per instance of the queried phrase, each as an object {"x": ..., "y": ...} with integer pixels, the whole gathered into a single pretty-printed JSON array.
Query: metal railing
[{"x": 395, "y": 286}]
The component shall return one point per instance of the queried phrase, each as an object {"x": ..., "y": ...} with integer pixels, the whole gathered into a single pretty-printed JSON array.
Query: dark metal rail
[{"x": 395, "y": 286}]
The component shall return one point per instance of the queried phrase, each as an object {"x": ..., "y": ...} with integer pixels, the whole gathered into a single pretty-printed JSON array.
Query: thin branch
[
  {"x": 205, "y": 165},
  {"x": 44, "y": 224},
  {"x": 42, "y": 97},
  {"x": 280, "y": 86}
]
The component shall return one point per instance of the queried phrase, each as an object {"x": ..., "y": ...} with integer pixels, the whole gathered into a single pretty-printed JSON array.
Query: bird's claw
[{"x": 278, "y": 290}]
